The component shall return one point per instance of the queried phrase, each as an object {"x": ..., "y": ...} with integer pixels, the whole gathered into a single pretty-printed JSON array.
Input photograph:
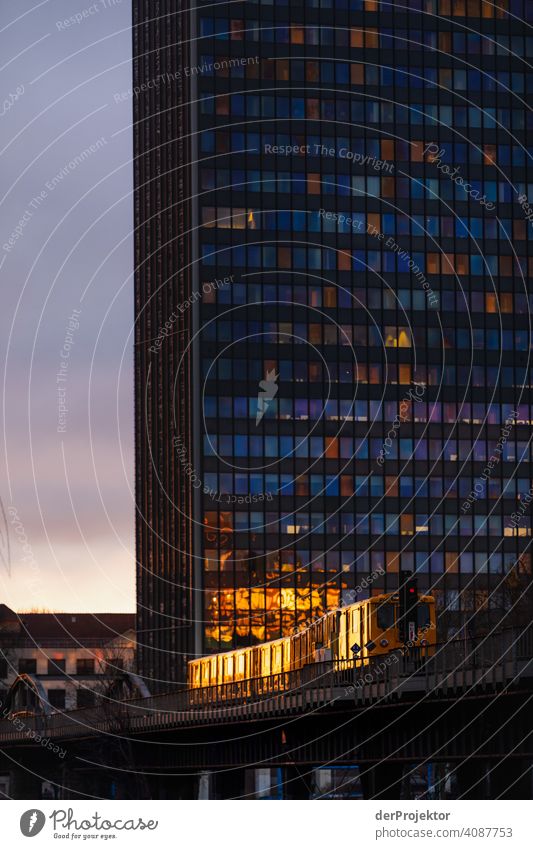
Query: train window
[
  {"x": 423, "y": 615},
  {"x": 385, "y": 615}
]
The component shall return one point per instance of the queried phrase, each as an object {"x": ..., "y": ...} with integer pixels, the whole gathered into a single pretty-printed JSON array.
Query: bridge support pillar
[{"x": 381, "y": 780}]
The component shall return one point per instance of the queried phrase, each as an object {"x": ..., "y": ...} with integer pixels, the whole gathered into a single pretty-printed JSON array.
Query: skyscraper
[{"x": 332, "y": 314}]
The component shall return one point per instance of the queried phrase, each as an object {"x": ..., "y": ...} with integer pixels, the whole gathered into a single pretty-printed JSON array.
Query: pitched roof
[
  {"x": 6, "y": 613},
  {"x": 76, "y": 626}
]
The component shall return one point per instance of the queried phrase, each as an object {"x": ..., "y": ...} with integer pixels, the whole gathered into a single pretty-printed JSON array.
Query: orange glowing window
[
  {"x": 237, "y": 30},
  {"x": 371, "y": 38},
  {"x": 387, "y": 149},
  {"x": 312, "y": 72},
  {"x": 222, "y": 105},
  {"x": 302, "y": 485},
  {"x": 390, "y": 337},
  {"x": 417, "y": 151},
  {"x": 491, "y": 304},
  {"x": 404, "y": 338},
  {"x": 373, "y": 220},
  {"x": 313, "y": 184},
  {"x": 445, "y": 42},
  {"x": 371, "y": 6},
  {"x": 391, "y": 486},
  {"x": 357, "y": 74},
  {"x": 388, "y": 187},
  {"x": 404, "y": 374},
  {"x": 452, "y": 561},
  {"x": 356, "y": 38},
  {"x": 406, "y": 524},
  {"x": 393, "y": 561},
  {"x": 332, "y": 448},
  {"x": 461, "y": 263},
  {"x": 330, "y": 296},
  {"x": 433, "y": 263},
  {"x": 472, "y": 8},
  {"x": 448, "y": 266},
  {"x": 458, "y": 8},
  {"x": 506, "y": 302},
  {"x": 445, "y": 7},
  {"x": 343, "y": 261},
  {"x": 374, "y": 374},
  {"x": 312, "y": 108},
  {"x": 282, "y": 69},
  {"x": 362, "y": 373},
  {"x": 315, "y": 334},
  {"x": 489, "y": 154},
  {"x": 297, "y": 35},
  {"x": 208, "y": 295},
  {"x": 347, "y": 485}
]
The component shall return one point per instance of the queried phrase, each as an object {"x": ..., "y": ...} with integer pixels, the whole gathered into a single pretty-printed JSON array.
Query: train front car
[{"x": 371, "y": 628}]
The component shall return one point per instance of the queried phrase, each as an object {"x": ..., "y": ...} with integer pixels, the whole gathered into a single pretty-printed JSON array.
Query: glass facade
[{"x": 355, "y": 276}]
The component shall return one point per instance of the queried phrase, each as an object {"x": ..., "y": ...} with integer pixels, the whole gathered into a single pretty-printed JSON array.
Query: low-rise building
[{"x": 70, "y": 658}]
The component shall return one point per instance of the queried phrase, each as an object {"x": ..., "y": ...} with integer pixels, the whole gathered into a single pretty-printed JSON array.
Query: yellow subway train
[{"x": 364, "y": 630}]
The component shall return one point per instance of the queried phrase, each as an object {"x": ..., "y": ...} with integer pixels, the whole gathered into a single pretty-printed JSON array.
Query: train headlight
[
  {"x": 423, "y": 642},
  {"x": 384, "y": 643}
]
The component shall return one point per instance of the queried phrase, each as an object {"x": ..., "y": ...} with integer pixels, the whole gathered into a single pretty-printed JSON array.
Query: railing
[{"x": 460, "y": 664}]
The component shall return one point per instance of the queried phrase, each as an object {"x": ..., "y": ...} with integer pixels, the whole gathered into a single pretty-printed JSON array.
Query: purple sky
[{"x": 71, "y": 537}]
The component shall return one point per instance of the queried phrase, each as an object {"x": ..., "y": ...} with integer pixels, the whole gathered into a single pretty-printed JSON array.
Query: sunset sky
[{"x": 66, "y": 479}]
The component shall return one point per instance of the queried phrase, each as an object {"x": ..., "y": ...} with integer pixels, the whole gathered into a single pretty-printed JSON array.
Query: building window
[
  {"x": 28, "y": 665},
  {"x": 85, "y": 666},
  {"x": 85, "y": 698},
  {"x": 56, "y": 697},
  {"x": 3, "y": 667},
  {"x": 56, "y": 666}
]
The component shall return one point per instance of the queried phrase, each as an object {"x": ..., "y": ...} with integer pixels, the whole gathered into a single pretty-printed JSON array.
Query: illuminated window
[
  {"x": 236, "y": 30},
  {"x": 357, "y": 74},
  {"x": 406, "y": 524},
  {"x": 297, "y": 35}
]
